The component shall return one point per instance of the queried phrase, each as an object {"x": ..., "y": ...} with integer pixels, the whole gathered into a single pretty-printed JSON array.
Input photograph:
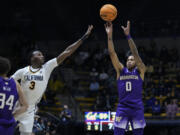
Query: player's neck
[
  {"x": 36, "y": 66},
  {"x": 130, "y": 69}
]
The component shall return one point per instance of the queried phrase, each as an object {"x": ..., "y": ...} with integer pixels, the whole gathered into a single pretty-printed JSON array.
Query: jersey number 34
[{"x": 8, "y": 102}]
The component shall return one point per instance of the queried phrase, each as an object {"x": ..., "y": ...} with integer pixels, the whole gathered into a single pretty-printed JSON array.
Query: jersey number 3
[
  {"x": 8, "y": 102},
  {"x": 128, "y": 86},
  {"x": 32, "y": 85}
]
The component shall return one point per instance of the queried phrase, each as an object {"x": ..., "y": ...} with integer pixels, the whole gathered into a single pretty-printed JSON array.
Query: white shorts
[{"x": 26, "y": 121}]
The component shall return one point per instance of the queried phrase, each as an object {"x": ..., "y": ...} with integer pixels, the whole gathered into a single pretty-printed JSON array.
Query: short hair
[
  {"x": 31, "y": 54},
  {"x": 128, "y": 54},
  {"x": 5, "y": 65}
]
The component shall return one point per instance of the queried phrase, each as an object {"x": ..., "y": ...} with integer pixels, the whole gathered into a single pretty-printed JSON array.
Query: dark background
[{"x": 67, "y": 19}]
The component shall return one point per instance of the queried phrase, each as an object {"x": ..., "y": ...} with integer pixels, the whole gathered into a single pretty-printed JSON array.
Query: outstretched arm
[
  {"x": 70, "y": 49},
  {"x": 114, "y": 58},
  {"x": 134, "y": 51}
]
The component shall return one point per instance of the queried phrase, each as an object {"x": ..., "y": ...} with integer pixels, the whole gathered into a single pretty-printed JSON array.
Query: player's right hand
[{"x": 109, "y": 28}]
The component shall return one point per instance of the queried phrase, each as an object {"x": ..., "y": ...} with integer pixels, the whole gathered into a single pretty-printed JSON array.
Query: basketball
[{"x": 108, "y": 12}]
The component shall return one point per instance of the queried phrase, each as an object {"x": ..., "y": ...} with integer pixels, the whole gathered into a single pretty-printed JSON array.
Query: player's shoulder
[
  {"x": 136, "y": 69},
  {"x": 22, "y": 69},
  {"x": 124, "y": 69},
  {"x": 25, "y": 68}
]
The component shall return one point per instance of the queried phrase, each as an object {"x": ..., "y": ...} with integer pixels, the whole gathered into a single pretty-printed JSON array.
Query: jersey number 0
[{"x": 128, "y": 86}]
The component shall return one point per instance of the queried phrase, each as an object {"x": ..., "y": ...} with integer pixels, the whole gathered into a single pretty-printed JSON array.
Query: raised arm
[
  {"x": 139, "y": 63},
  {"x": 114, "y": 58},
  {"x": 70, "y": 49}
]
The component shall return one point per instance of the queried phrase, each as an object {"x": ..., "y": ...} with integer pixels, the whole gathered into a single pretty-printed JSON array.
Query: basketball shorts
[
  {"x": 7, "y": 130},
  {"x": 134, "y": 117},
  {"x": 26, "y": 121}
]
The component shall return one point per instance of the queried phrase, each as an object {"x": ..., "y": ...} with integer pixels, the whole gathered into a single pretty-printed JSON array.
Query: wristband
[{"x": 128, "y": 37}]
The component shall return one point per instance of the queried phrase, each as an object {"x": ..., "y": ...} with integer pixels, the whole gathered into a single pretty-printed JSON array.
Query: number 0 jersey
[
  {"x": 34, "y": 83},
  {"x": 8, "y": 99},
  {"x": 130, "y": 90}
]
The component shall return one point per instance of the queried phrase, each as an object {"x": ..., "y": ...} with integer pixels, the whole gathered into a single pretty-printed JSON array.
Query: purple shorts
[
  {"x": 7, "y": 130},
  {"x": 129, "y": 116}
]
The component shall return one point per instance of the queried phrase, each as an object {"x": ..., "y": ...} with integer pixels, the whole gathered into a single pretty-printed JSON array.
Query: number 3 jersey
[
  {"x": 8, "y": 99},
  {"x": 34, "y": 81},
  {"x": 130, "y": 90}
]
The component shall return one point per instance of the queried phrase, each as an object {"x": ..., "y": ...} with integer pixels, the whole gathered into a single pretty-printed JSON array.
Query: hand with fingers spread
[
  {"x": 70, "y": 49},
  {"x": 109, "y": 28},
  {"x": 88, "y": 32},
  {"x": 126, "y": 29}
]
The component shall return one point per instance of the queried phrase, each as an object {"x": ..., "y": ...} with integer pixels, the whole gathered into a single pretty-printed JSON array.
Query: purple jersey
[
  {"x": 8, "y": 99},
  {"x": 130, "y": 90},
  {"x": 130, "y": 107}
]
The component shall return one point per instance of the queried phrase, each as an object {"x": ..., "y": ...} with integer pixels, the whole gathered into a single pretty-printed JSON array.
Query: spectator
[
  {"x": 156, "y": 108},
  {"x": 94, "y": 73},
  {"x": 94, "y": 85},
  {"x": 41, "y": 124},
  {"x": 49, "y": 127},
  {"x": 171, "y": 109},
  {"x": 103, "y": 76},
  {"x": 150, "y": 103},
  {"x": 66, "y": 119},
  {"x": 36, "y": 127},
  {"x": 66, "y": 115}
]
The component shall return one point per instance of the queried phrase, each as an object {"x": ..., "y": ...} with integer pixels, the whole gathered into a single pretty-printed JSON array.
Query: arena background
[{"x": 53, "y": 25}]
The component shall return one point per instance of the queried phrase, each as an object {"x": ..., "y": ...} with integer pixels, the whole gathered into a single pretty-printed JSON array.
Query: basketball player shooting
[
  {"x": 10, "y": 93},
  {"x": 34, "y": 80},
  {"x": 129, "y": 83}
]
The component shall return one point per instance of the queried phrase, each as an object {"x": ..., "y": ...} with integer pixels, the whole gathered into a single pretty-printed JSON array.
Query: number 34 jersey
[
  {"x": 8, "y": 98},
  {"x": 34, "y": 81},
  {"x": 130, "y": 90}
]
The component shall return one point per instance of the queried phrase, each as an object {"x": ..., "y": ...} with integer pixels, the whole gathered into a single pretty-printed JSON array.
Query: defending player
[
  {"x": 129, "y": 82},
  {"x": 10, "y": 92},
  {"x": 34, "y": 80}
]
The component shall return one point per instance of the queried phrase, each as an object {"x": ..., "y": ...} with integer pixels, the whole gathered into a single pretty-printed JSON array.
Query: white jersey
[{"x": 33, "y": 82}]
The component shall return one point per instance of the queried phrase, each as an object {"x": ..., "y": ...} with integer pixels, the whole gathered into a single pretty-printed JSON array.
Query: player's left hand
[{"x": 126, "y": 29}]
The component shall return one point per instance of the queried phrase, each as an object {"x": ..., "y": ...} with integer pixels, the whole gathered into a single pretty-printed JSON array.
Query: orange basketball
[{"x": 108, "y": 12}]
